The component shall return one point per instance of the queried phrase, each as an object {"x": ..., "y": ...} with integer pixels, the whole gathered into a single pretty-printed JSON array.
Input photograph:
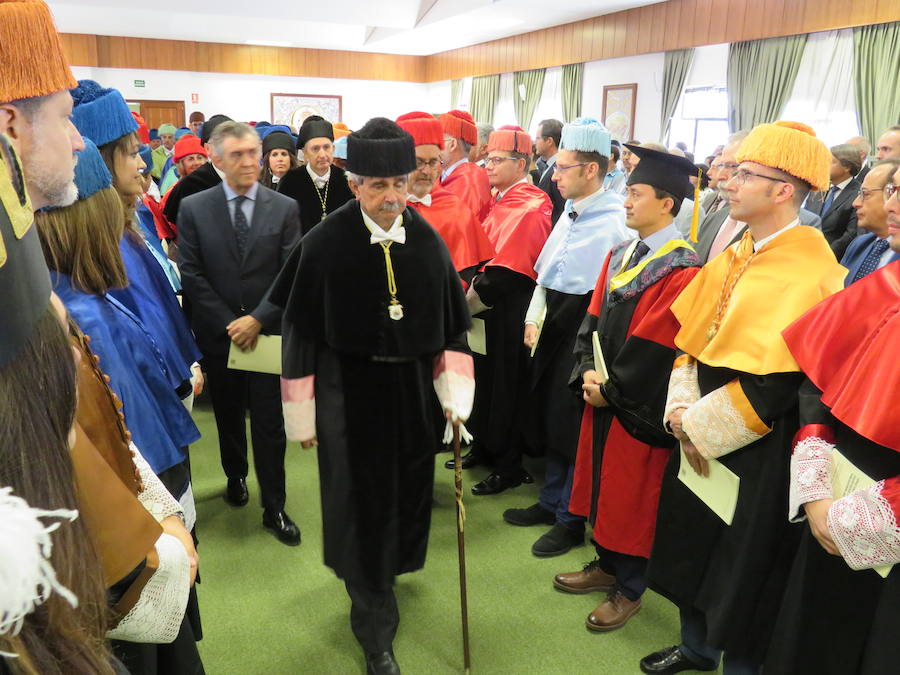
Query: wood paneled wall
[
  {"x": 213, "y": 57},
  {"x": 675, "y": 24}
]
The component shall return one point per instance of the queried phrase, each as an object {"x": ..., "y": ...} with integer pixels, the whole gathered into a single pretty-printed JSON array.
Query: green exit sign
[{"x": 140, "y": 83}]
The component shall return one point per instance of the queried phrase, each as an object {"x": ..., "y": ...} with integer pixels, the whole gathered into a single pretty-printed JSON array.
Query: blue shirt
[
  {"x": 659, "y": 238},
  {"x": 247, "y": 206}
]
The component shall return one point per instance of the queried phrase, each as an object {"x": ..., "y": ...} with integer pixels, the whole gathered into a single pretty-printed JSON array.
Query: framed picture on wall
[
  {"x": 618, "y": 110},
  {"x": 292, "y": 109}
]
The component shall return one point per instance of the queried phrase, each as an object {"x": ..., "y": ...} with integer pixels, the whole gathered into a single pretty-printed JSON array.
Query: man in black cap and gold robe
[
  {"x": 319, "y": 187},
  {"x": 374, "y": 326}
]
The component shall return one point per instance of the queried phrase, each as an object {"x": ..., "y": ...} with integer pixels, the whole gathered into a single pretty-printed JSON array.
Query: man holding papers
[
  {"x": 629, "y": 333},
  {"x": 848, "y": 409},
  {"x": 233, "y": 240},
  {"x": 592, "y": 222},
  {"x": 733, "y": 397}
]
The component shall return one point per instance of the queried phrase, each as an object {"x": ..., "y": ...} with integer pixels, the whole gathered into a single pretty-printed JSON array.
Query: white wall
[
  {"x": 247, "y": 97},
  {"x": 646, "y": 70},
  {"x": 710, "y": 66}
]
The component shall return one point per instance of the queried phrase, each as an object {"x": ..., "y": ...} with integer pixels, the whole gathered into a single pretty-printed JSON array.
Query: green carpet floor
[{"x": 268, "y": 608}]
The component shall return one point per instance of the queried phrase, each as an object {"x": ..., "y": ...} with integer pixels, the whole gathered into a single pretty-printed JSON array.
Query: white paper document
[
  {"x": 477, "y": 337},
  {"x": 264, "y": 358},
  {"x": 599, "y": 361},
  {"x": 719, "y": 490}
]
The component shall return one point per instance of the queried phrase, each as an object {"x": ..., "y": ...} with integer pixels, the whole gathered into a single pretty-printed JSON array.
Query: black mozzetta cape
[
  {"x": 298, "y": 185},
  {"x": 202, "y": 179},
  {"x": 334, "y": 289}
]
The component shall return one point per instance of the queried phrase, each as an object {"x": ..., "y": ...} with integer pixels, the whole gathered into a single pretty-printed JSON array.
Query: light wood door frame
[{"x": 155, "y": 112}]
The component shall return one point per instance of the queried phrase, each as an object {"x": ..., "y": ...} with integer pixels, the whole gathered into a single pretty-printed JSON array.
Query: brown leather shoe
[
  {"x": 591, "y": 578},
  {"x": 612, "y": 613}
]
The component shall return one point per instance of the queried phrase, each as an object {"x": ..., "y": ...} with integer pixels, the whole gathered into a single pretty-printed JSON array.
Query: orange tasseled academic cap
[{"x": 31, "y": 52}]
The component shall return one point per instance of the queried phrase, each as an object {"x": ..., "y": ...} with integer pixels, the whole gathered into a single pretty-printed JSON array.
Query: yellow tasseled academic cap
[
  {"x": 791, "y": 147},
  {"x": 31, "y": 52}
]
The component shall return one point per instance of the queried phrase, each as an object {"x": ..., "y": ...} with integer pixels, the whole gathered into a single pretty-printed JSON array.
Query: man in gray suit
[{"x": 233, "y": 241}]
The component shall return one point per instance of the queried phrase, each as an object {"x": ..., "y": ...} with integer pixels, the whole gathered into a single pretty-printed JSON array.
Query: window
[{"x": 701, "y": 120}]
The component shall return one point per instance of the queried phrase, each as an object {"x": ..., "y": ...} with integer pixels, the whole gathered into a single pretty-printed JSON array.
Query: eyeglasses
[
  {"x": 865, "y": 193},
  {"x": 889, "y": 191},
  {"x": 729, "y": 166},
  {"x": 560, "y": 168},
  {"x": 741, "y": 176},
  {"x": 431, "y": 163},
  {"x": 495, "y": 161}
]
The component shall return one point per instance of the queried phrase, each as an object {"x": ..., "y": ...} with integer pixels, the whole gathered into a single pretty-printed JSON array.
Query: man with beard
[{"x": 372, "y": 303}]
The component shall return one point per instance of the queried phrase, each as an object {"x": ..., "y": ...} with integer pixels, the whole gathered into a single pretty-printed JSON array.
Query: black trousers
[
  {"x": 374, "y": 616},
  {"x": 233, "y": 392}
]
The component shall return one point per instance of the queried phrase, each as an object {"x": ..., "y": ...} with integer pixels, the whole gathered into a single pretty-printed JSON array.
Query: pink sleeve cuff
[{"x": 299, "y": 406}]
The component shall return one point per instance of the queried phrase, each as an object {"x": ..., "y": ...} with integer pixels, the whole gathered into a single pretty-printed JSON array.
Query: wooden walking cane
[{"x": 461, "y": 546}]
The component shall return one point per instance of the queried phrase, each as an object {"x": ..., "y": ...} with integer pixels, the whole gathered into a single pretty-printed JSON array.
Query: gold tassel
[{"x": 695, "y": 218}]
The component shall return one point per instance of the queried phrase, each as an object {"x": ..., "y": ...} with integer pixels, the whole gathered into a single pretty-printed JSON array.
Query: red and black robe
[
  {"x": 623, "y": 448},
  {"x": 847, "y": 347}
]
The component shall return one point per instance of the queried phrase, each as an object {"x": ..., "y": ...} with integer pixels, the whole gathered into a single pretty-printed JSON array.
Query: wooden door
[{"x": 161, "y": 112}]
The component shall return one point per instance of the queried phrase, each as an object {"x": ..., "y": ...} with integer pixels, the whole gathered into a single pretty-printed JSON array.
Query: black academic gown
[
  {"x": 298, "y": 185},
  {"x": 735, "y": 574},
  {"x": 552, "y": 413},
  {"x": 501, "y": 373},
  {"x": 202, "y": 179},
  {"x": 834, "y": 619},
  {"x": 375, "y": 419}
]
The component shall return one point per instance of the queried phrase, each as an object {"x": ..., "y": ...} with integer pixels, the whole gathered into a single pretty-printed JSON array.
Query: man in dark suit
[
  {"x": 870, "y": 250},
  {"x": 837, "y": 212},
  {"x": 234, "y": 239},
  {"x": 547, "y": 145}
]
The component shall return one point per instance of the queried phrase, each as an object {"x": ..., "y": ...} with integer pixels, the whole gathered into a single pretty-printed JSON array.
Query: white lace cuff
[
  {"x": 154, "y": 497},
  {"x": 298, "y": 402},
  {"x": 454, "y": 383},
  {"x": 810, "y": 475},
  {"x": 723, "y": 421},
  {"x": 864, "y": 528},
  {"x": 158, "y": 613},
  {"x": 684, "y": 390}
]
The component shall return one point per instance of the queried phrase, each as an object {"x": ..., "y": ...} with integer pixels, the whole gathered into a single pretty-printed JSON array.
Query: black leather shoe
[
  {"x": 496, "y": 483},
  {"x": 282, "y": 526},
  {"x": 670, "y": 660},
  {"x": 468, "y": 460},
  {"x": 381, "y": 664},
  {"x": 533, "y": 515},
  {"x": 558, "y": 541},
  {"x": 236, "y": 492}
]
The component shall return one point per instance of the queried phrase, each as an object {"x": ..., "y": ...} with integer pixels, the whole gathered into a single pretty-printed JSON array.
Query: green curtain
[
  {"x": 531, "y": 83},
  {"x": 876, "y": 83},
  {"x": 761, "y": 74},
  {"x": 572, "y": 90},
  {"x": 675, "y": 71},
  {"x": 455, "y": 90},
  {"x": 485, "y": 93}
]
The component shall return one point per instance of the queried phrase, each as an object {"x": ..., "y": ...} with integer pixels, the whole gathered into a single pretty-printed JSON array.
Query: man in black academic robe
[
  {"x": 319, "y": 187},
  {"x": 733, "y": 398},
  {"x": 374, "y": 318}
]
